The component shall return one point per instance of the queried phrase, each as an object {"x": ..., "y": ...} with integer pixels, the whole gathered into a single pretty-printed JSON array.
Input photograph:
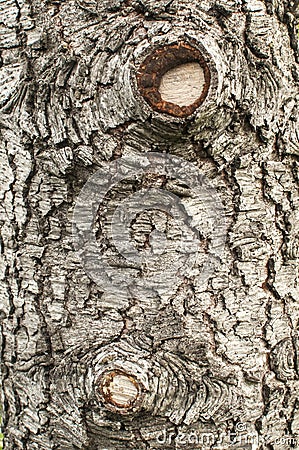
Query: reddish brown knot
[
  {"x": 120, "y": 391},
  {"x": 174, "y": 79}
]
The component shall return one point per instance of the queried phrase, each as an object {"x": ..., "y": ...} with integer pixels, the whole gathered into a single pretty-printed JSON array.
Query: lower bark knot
[
  {"x": 120, "y": 391},
  {"x": 174, "y": 79}
]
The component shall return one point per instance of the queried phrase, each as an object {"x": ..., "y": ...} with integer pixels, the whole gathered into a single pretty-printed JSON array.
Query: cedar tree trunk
[{"x": 149, "y": 219}]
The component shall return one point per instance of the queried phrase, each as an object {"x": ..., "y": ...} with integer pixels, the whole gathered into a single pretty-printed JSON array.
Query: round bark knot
[
  {"x": 174, "y": 79},
  {"x": 120, "y": 391}
]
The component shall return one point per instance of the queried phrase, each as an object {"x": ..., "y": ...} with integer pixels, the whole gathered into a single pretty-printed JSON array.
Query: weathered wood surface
[
  {"x": 183, "y": 84},
  {"x": 218, "y": 355}
]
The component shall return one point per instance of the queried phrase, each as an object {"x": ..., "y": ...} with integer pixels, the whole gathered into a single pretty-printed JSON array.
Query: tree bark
[{"x": 176, "y": 325}]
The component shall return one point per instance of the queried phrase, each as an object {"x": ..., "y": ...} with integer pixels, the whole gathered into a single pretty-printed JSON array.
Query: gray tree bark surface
[{"x": 186, "y": 354}]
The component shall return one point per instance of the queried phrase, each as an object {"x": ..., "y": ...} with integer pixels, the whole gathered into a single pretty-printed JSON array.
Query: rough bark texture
[{"x": 216, "y": 355}]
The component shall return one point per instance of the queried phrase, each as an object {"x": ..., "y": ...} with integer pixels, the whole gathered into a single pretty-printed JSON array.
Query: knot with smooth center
[
  {"x": 174, "y": 79},
  {"x": 119, "y": 391}
]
